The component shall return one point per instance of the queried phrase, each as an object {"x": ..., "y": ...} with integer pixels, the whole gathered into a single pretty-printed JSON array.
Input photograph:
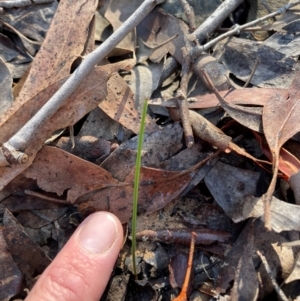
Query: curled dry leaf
[
  {"x": 288, "y": 163},
  {"x": 280, "y": 123},
  {"x": 207, "y": 131},
  {"x": 143, "y": 80}
]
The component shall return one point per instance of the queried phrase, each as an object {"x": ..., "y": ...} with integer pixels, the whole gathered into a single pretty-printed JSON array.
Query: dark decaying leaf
[
  {"x": 11, "y": 278},
  {"x": 294, "y": 183},
  {"x": 230, "y": 186},
  {"x": 86, "y": 147},
  {"x": 158, "y": 146},
  {"x": 245, "y": 281},
  {"x": 31, "y": 259},
  {"x": 282, "y": 259},
  {"x": 6, "y": 97},
  {"x": 239, "y": 55}
]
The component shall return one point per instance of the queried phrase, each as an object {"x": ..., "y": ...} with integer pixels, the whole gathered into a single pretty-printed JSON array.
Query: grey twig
[
  {"x": 212, "y": 23},
  {"x": 252, "y": 73},
  {"x": 182, "y": 99},
  {"x": 189, "y": 12},
  {"x": 278, "y": 290},
  {"x": 22, "y": 139},
  {"x": 216, "y": 19},
  {"x": 196, "y": 51}
]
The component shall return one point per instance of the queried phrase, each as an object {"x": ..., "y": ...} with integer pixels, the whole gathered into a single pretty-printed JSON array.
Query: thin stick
[
  {"x": 189, "y": 12},
  {"x": 183, "y": 294},
  {"x": 196, "y": 51},
  {"x": 216, "y": 19},
  {"x": 22, "y": 139},
  {"x": 212, "y": 23},
  {"x": 252, "y": 73},
  {"x": 21, "y": 36},
  {"x": 182, "y": 98},
  {"x": 278, "y": 290},
  {"x": 47, "y": 198}
]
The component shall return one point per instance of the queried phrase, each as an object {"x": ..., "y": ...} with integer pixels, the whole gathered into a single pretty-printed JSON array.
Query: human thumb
[{"x": 82, "y": 268}]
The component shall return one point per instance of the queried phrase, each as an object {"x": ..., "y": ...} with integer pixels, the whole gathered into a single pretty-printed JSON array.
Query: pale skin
[{"x": 80, "y": 272}]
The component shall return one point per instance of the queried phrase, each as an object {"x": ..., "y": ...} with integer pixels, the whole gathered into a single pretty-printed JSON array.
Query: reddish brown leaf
[
  {"x": 288, "y": 163},
  {"x": 157, "y": 189},
  {"x": 58, "y": 171}
]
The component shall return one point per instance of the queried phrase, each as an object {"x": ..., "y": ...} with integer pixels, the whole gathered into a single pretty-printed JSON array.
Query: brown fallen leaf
[
  {"x": 119, "y": 105},
  {"x": 60, "y": 47},
  {"x": 87, "y": 96},
  {"x": 92, "y": 188},
  {"x": 280, "y": 123},
  {"x": 32, "y": 260},
  {"x": 207, "y": 131},
  {"x": 288, "y": 163},
  {"x": 58, "y": 171},
  {"x": 11, "y": 279},
  {"x": 157, "y": 189},
  {"x": 116, "y": 13}
]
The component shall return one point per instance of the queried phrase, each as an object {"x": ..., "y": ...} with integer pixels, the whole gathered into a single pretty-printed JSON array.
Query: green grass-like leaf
[{"x": 137, "y": 184}]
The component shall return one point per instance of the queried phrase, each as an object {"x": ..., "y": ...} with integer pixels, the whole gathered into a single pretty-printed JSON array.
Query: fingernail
[{"x": 98, "y": 233}]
